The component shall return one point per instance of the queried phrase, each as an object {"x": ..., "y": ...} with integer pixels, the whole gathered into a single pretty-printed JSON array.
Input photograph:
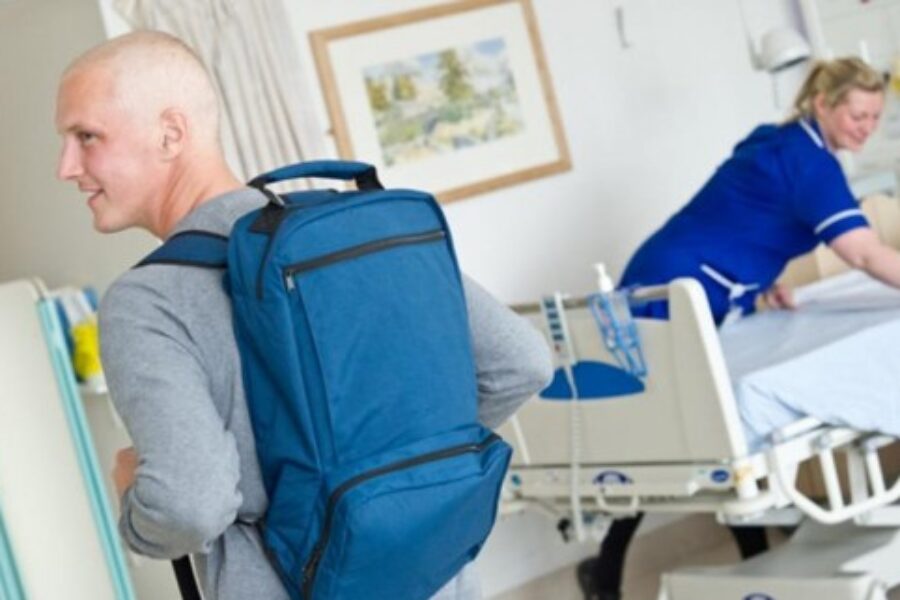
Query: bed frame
[{"x": 678, "y": 446}]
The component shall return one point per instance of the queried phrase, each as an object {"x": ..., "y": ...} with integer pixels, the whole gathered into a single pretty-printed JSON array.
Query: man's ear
[{"x": 174, "y": 131}]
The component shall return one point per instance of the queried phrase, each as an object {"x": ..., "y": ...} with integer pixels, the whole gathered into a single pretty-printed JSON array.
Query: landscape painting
[
  {"x": 443, "y": 101},
  {"x": 454, "y": 99}
]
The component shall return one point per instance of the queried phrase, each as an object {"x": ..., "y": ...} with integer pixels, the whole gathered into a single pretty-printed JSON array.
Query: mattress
[{"x": 836, "y": 357}]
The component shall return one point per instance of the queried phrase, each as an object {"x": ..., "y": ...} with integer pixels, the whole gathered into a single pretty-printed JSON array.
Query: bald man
[{"x": 138, "y": 118}]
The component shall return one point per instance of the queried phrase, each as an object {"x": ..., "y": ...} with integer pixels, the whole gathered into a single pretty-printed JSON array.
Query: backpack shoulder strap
[{"x": 193, "y": 248}]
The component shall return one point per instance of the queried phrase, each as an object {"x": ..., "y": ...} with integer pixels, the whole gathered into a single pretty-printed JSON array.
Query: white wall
[{"x": 646, "y": 125}]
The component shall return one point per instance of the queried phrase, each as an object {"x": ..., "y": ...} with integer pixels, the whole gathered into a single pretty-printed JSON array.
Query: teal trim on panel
[
  {"x": 84, "y": 447},
  {"x": 10, "y": 584}
]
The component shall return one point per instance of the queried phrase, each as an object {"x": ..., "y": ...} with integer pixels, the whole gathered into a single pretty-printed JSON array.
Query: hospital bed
[{"x": 720, "y": 424}]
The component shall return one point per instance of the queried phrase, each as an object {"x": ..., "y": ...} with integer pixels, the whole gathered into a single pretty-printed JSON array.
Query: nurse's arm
[{"x": 861, "y": 249}]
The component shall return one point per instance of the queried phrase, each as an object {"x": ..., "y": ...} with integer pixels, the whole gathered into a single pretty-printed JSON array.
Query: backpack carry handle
[{"x": 363, "y": 174}]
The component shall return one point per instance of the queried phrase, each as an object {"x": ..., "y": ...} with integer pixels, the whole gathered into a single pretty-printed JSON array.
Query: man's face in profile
[{"x": 108, "y": 150}]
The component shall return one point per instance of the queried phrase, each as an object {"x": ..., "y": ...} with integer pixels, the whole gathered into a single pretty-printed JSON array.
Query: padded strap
[
  {"x": 199, "y": 249},
  {"x": 184, "y": 577},
  {"x": 191, "y": 248}
]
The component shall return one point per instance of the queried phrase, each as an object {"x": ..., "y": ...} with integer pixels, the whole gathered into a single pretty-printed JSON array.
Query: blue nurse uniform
[{"x": 779, "y": 194}]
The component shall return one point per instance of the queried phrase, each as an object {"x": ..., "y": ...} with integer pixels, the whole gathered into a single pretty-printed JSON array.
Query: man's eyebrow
[
  {"x": 72, "y": 127},
  {"x": 78, "y": 127}
]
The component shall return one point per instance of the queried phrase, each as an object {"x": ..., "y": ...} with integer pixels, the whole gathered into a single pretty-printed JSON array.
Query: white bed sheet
[{"x": 836, "y": 358}]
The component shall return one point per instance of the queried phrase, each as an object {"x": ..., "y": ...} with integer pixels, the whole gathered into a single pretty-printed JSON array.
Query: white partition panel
[{"x": 47, "y": 508}]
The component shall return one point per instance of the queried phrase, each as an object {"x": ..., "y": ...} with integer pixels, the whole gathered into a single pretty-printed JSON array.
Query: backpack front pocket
[
  {"x": 404, "y": 529},
  {"x": 373, "y": 328}
]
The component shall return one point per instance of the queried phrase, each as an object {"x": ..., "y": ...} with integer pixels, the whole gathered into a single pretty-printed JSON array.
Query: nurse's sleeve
[
  {"x": 512, "y": 359},
  {"x": 823, "y": 201}
]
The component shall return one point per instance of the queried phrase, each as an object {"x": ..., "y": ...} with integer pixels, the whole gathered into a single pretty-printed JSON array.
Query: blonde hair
[
  {"x": 152, "y": 71},
  {"x": 835, "y": 79}
]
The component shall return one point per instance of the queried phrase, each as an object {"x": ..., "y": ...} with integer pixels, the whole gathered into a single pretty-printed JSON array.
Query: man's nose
[{"x": 69, "y": 166}]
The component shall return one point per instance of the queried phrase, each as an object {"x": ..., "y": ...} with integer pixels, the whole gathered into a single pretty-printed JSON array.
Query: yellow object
[
  {"x": 86, "y": 355},
  {"x": 895, "y": 77}
]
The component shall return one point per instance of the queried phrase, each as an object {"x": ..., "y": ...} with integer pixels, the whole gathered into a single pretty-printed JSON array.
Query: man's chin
[{"x": 101, "y": 226}]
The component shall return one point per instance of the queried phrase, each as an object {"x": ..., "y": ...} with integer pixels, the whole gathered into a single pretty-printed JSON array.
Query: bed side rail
[
  {"x": 645, "y": 294},
  {"x": 868, "y": 489}
]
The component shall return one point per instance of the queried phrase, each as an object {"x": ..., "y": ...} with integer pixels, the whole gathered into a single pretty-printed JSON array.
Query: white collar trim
[{"x": 812, "y": 133}]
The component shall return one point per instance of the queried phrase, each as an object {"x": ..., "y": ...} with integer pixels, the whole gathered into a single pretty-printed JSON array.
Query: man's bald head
[
  {"x": 138, "y": 118},
  {"x": 150, "y": 72}
]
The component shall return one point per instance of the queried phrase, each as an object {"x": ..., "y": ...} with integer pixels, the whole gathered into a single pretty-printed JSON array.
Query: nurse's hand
[{"x": 779, "y": 296}]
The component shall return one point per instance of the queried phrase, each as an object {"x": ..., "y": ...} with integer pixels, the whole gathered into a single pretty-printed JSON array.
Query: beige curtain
[{"x": 268, "y": 118}]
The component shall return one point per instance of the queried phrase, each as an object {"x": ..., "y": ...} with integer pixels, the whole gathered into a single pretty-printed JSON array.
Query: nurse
[{"x": 778, "y": 195}]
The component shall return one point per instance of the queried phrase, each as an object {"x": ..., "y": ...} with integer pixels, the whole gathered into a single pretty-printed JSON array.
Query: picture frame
[{"x": 455, "y": 99}]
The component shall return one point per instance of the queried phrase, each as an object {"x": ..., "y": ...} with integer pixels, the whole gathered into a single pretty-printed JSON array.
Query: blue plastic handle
[{"x": 327, "y": 169}]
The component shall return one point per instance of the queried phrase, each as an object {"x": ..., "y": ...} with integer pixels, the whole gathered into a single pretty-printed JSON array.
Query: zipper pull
[{"x": 289, "y": 283}]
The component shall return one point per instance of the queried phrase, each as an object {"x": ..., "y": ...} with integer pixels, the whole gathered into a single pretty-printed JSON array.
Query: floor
[{"x": 697, "y": 541}]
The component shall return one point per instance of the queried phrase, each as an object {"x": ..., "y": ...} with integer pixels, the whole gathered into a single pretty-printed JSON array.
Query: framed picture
[{"x": 454, "y": 99}]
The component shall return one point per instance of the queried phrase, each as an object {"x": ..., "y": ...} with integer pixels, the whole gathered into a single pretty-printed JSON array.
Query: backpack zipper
[
  {"x": 284, "y": 210},
  {"x": 270, "y": 554},
  {"x": 312, "y": 565},
  {"x": 356, "y": 251}
]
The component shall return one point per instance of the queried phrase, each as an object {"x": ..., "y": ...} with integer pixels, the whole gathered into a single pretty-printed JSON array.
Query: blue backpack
[{"x": 351, "y": 324}]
